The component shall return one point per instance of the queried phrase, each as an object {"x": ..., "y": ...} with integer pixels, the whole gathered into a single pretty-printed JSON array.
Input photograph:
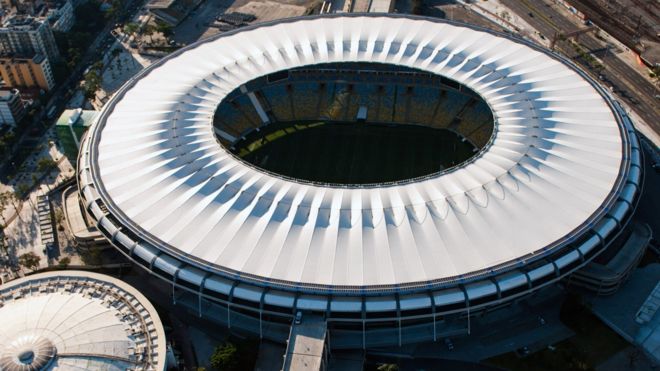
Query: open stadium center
[
  {"x": 355, "y": 123},
  {"x": 392, "y": 174}
]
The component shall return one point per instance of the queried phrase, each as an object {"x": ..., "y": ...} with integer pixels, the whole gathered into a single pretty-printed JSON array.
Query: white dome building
[{"x": 74, "y": 320}]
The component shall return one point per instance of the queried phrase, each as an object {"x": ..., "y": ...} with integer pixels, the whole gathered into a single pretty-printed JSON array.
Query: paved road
[
  {"x": 548, "y": 18},
  {"x": 58, "y": 95}
]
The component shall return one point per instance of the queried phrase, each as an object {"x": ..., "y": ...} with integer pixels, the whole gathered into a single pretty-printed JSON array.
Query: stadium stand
[{"x": 399, "y": 97}]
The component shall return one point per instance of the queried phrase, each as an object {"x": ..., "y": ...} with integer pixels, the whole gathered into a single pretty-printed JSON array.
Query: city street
[{"x": 60, "y": 93}]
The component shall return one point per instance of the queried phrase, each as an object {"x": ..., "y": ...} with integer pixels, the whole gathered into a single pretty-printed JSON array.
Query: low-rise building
[
  {"x": 12, "y": 108},
  {"x": 27, "y": 72}
]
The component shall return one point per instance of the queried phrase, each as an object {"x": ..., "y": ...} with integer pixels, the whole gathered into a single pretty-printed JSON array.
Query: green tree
[
  {"x": 225, "y": 357},
  {"x": 9, "y": 197},
  {"x": 115, "y": 9},
  {"x": 74, "y": 56},
  {"x": 21, "y": 190},
  {"x": 91, "y": 256},
  {"x": 131, "y": 28},
  {"x": 164, "y": 28},
  {"x": 29, "y": 260},
  {"x": 46, "y": 164},
  {"x": 64, "y": 262},
  {"x": 93, "y": 81},
  {"x": 150, "y": 30}
]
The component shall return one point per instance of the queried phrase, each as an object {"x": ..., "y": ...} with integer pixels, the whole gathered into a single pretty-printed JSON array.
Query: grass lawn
[{"x": 356, "y": 153}]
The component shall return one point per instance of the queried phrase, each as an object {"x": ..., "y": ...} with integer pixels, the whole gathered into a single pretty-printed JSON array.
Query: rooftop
[
  {"x": 159, "y": 4},
  {"x": 77, "y": 117},
  {"x": 21, "y": 22},
  {"x": 78, "y": 320},
  {"x": 7, "y": 94},
  {"x": 37, "y": 58}
]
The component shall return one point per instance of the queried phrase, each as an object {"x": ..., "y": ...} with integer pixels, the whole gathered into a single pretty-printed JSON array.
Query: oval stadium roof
[{"x": 552, "y": 167}]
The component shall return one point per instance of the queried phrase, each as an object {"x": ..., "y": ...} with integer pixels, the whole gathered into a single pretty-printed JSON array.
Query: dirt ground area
[
  {"x": 199, "y": 24},
  {"x": 448, "y": 9},
  {"x": 267, "y": 10}
]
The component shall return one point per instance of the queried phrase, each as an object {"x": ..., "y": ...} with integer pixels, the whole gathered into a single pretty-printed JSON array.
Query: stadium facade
[{"x": 554, "y": 177}]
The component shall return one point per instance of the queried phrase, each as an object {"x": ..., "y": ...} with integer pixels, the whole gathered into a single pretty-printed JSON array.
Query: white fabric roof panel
[{"x": 555, "y": 158}]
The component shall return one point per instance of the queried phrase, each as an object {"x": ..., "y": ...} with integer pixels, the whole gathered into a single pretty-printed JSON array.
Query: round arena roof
[
  {"x": 78, "y": 320},
  {"x": 553, "y": 167}
]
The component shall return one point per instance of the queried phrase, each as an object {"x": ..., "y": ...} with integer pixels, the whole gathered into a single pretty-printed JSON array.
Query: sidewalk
[{"x": 22, "y": 230}]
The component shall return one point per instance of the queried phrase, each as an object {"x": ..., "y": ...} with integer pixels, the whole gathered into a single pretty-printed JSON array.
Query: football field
[{"x": 355, "y": 153}]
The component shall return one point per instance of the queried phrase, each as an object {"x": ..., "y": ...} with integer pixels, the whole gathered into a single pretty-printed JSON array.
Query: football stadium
[{"x": 391, "y": 175}]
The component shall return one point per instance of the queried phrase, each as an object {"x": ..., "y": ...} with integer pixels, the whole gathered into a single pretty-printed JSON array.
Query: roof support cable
[
  {"x": 435, "y": 337},
  {"x": 174, "y": 277},
  {"x": 398, "y": 314},
  {"x": 261, "y": 310},
  {"x": 364, "y": 315},
  {"x": 201, "y": 292},
  {"x": 229, "y": 299}
]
